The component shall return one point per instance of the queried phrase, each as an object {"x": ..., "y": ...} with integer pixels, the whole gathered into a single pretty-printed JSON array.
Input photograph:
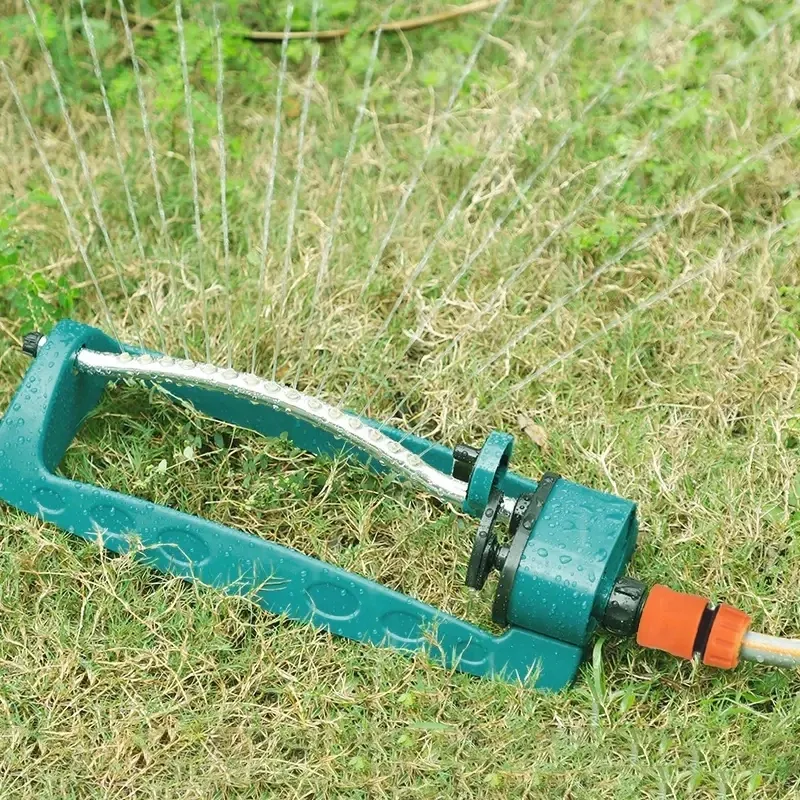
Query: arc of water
[
  {"x": 498, "y": 146},
  {"x": 112, "y": 128},
  {"x": 223, "y": 193},
  {"x": 541, "y": 169},
  {"x": 198, "y": 226},
  {"x": 680, "y": 209},
  {"x": 432, "y": 142},
  {"x": 298, "y": 179},
  {"x": 79, "y": 152},
  {"x": 72, "y": 228},
  {"x": 145, "y": 117},
  {"x": 648, "y": 140},
  {"x": 333, "y": 224},
  {"x": 276, "y": 137}
]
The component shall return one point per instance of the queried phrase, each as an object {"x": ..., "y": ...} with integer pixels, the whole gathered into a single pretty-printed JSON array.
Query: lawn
[{"x": 618, "y": 287}]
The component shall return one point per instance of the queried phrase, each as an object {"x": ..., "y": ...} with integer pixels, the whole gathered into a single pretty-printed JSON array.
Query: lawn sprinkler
[{"x": 560, "y": 549}]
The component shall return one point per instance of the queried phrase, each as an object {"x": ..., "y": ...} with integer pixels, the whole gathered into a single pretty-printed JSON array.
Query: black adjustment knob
[
  {"x": 487, "y": 552},
  {"x": 30, "y": 343},
  {"x": 464, "y": 458},
  {"x": 625, "y": 606}
]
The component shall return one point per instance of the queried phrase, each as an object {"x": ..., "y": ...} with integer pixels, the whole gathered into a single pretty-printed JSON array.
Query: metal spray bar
[{"x": 180, "y": 372}]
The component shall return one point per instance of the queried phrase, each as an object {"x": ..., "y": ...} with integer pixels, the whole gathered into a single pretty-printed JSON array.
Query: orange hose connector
[
  {"x": 725, "y": 639},
  {"x": 684, "y": 624},
  {"x": 670, "y": 621}
]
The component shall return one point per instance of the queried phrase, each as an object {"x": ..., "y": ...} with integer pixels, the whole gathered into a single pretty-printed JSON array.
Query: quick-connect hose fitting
[{"x": 686, "y": 625}]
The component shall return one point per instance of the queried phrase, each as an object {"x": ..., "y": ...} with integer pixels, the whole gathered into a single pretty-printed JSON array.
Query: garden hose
[{"x": 771, "y": 650}]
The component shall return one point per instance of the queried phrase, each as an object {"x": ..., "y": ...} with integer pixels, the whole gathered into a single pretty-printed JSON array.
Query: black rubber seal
[
  {"x": 704, "y": 630},
  {"x": 522, "y": 532}
]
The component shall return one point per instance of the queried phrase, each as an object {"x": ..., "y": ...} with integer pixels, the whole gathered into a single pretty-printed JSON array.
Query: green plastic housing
[
  {"x": 54, "y": 399},
  {"x": 580, "y": 545}
]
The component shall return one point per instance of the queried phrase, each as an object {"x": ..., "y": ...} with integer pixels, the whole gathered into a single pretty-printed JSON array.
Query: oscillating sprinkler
[{"x": 559, "y": 549}]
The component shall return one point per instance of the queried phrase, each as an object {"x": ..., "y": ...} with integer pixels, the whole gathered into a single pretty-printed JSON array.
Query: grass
[{"x": 118, "y": 682}]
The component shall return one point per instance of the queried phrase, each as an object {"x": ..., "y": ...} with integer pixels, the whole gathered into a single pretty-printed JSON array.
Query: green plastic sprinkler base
[{"x": 556, "y": 600}]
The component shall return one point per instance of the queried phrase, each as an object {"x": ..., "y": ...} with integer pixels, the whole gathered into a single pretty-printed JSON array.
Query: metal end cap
[{"x": 30, "y": 343}]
